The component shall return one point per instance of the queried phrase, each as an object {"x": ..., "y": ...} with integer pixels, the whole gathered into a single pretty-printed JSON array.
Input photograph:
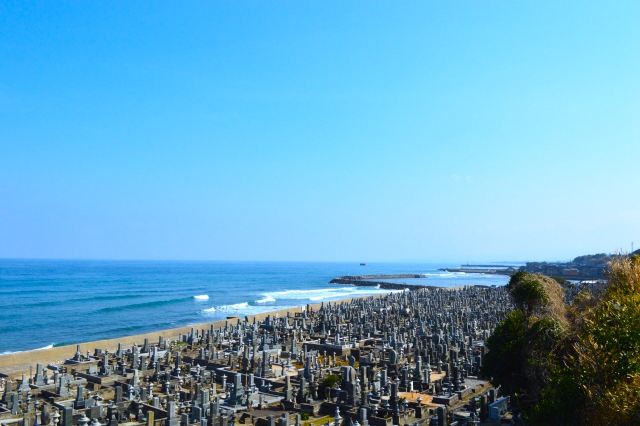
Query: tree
[
  {"x": 572, "y": 365},
  {"x": 526, "y": 346},
  {"x": 504, "y": 362},
  {"x": 599, "y": 384}
]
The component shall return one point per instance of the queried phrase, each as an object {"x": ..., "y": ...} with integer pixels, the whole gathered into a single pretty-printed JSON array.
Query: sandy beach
[{"x": 16, "y": 364}]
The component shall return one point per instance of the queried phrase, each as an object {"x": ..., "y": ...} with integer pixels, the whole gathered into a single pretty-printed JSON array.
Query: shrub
[
  {"x": 600, "y": 383},
  {"x": 525, "y": 348},
  {"x": 504, "y": 362},
  {"x": 329, "y": 382},
  {"x": 529, "y": 294},
  {"x": 594, "y": 376}
]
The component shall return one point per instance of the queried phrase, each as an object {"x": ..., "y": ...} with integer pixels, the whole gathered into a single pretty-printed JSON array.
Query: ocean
[{"x": 45, "y": 303}]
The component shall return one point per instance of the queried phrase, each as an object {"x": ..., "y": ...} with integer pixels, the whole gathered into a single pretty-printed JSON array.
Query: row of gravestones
[{"x": 445, "y": 326}]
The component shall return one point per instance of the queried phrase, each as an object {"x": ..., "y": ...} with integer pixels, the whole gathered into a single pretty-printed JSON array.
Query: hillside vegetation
[
  {"x": 600, "y": 259},
  {"x": 576, "y": 364}
]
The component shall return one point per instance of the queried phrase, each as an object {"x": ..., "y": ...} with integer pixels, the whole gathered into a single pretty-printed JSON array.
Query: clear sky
[{"x": 319, "y": 130}]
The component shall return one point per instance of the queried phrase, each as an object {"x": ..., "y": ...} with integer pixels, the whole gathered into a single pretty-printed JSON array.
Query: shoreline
[
  {"x": 18, "y": 363},
  {"x": 58, "y": 354}
]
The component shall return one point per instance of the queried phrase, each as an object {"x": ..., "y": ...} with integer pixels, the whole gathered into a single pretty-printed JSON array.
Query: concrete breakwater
[
  {"x": 511, "y": 271},
  {"x": 364, "y": 281},
  {"x": 496, "y": 271},
  {"x": 383, "y": 276}
]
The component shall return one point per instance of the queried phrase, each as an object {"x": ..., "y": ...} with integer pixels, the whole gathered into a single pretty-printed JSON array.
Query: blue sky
[{"x": 308, "y": 130}]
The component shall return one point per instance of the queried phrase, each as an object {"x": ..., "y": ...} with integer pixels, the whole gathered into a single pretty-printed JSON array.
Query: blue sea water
[{"x": 60, "y": 302}]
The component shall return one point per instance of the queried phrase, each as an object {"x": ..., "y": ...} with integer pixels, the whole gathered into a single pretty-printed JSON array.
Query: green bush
[
  {"x": 504, "y": 361},
  {"x": 571, "y": 365},
  {"x": 561, "y": 280},
  {"x": 329, "y": 382},
  {"x": 525, "y": 348},
  {"x": 600, "y": 382},
  {"x": 529, "y": 294},
  {"x": 515, "y": 279}
]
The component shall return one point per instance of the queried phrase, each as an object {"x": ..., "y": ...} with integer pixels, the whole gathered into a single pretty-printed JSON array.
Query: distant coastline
[{"x": 582, "y": 268}]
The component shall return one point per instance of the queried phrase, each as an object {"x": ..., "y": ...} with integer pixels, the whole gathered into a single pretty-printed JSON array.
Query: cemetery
[{"x": 407, "y": 358}]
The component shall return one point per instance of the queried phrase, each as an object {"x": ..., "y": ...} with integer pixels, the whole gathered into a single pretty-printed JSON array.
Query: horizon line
[{"x": 262, "y": 261}]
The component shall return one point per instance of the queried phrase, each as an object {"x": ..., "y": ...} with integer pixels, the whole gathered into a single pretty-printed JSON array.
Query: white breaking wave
[
  {"x": 343, "y": 294},
  {"x": 235, "y": 306},
  {"x": 305, "y": 292},
  {"x": 202, "y": 297},
  {"x": 249, "y": 309},
  {"x": 326, "y": 293},
  {"x": 291, "y": 299},
  {"x": 28, "y": 350}
]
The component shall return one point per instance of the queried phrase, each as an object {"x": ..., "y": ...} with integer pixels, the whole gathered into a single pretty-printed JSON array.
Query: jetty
[
  {"x": 369, "y": 281},
  {"x": 472, "y": 270}
]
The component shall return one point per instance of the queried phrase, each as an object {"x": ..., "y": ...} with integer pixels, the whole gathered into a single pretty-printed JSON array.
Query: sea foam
[
  {"x": 202, "y": 297},
  {"x": 17, "y": 352},
  {"x": 305, "y": 294},
  {"x": 366, "y": 291},
  {"x": 234, "y": 306},
  {"x": 266, "y": 299},
  {"x": 326, "y": 293}
]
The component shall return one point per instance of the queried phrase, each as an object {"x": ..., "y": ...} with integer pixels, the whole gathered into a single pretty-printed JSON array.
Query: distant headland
[{"x": 586, "y": 267}]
